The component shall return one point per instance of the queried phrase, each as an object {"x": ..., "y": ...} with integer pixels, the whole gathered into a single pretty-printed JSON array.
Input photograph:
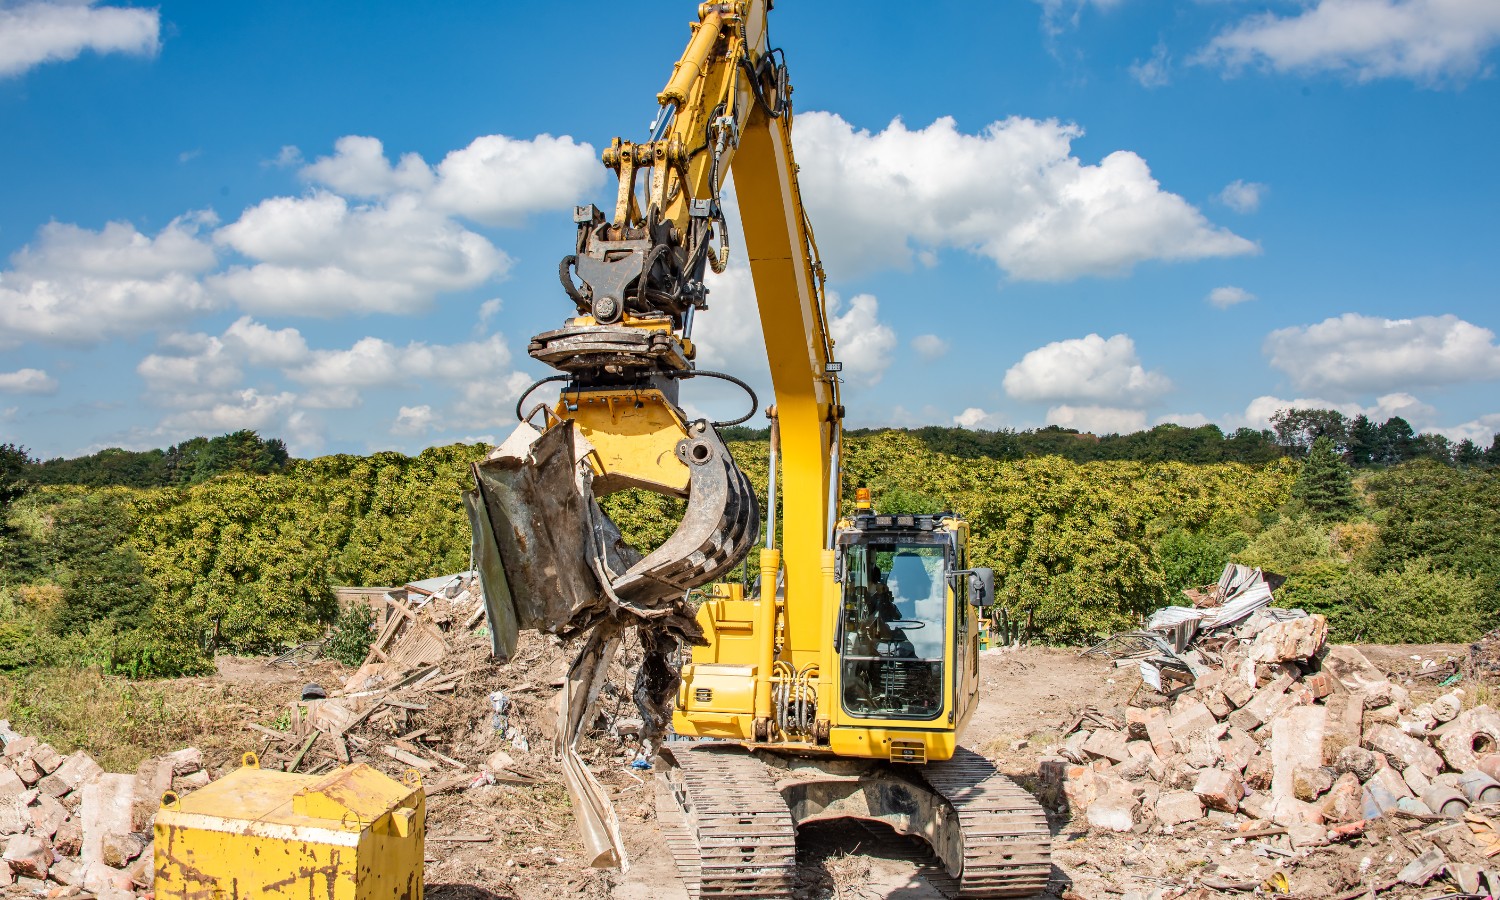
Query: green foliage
[
  {"x": 111, "y": 467},
  {"x": 1164, "y": 443},
  {"x": 1412, "y": 604},
  {"x": 147, "y": 582},
  {"x": 1290, "y": 546},
  {"x": 353, "y": 630},
  {"x": 89, "y": 554},
  {"x": 1196, "y": 558},
  {"x": 14, "y": 460},
  {"x": 1325, "y": 485},
  {"x": 190, "y": 462},
  {"x": 1071, "y": 545}
]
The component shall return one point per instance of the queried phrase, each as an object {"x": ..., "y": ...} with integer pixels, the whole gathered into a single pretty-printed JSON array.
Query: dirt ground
[{"x": 502, "y": 841}]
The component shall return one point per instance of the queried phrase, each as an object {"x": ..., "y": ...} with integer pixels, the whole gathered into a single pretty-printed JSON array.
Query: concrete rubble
[
  {"x": 1267, "y": 730},
  {"x": 70, "y": 829}
]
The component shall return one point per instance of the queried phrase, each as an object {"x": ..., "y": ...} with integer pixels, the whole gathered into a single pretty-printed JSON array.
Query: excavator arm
[{"x": 548, "y": 557}]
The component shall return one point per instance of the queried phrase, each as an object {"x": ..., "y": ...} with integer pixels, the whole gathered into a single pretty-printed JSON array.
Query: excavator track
[
  {"x": 728, "y": 827},
  {"x": 1007, "y": 846}
]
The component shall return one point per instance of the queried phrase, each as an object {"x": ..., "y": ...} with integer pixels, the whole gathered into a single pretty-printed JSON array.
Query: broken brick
[
  {"x": 28, "y": 856},
  {"x": 1219, "y": 789},
  {"x": 1404, "y": 749},
  {"x": 1343, "y": 801},
  {"x": 1108, "y": 745},
  {"x": 1177, "y": 807}
]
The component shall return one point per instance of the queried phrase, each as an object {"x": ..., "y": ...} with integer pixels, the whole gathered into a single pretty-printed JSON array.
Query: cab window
[{"x": 893, "y": 627}]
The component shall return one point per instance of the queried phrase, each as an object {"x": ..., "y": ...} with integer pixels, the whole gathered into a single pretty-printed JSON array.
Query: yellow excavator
[{"x": 838, "y": 683}]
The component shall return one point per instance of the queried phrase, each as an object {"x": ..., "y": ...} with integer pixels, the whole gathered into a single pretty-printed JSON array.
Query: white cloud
[
  {"x": 1259, "y": 411},
  {"x": 1013, "y": 193},
  {"x": 398, "y": 245},
  {"x": 862, "y": 342},
  {"x": 1429, "y": 41},
  {"x": 929, "y": 346},
  {"x": 46, "y": 31},
  {"x": 498, "y": 180},
  {"x": 263, "y": 346},
  {"x": 290, "y": 156},
  {"x": 490, "y": 402},
  {"x": 318, "y": 255},
  {"x": 495, "y": 180},
  {"x": 1060, "y": 14},
  {"x": 1358, "y": 354},
  {"x": 975, "y": 418},
  {"x": 414, "y": 420},
  {"x": 248, "y": 408},
  {"x": 1156, "y": 71},
  {"x": 201, "y": 377},
  {"x": 358, "y": 168},
  {"x": 1482, "y": 430},
  {"x": 1090, "y": 368},
  {"x": 74, "y": 286},
  {"x": 1097, "y": 419},
  {"x": 488, "y": 310},
  {"x": 1227, "y": 296},
  {"x": 1242, "y": 196},
  {"x": 374, "y": 362},
  {"x": 27, "y": 381},
  {"x": 192, "y": 365}
]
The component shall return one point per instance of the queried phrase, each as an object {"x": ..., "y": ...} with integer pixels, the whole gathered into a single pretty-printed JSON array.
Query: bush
[
  {"x": 1415, "y": 604},
  {"x": 349, "y": 640}
]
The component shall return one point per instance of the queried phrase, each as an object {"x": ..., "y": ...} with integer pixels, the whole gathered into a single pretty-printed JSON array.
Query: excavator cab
[{"x": 893, "y": 625}]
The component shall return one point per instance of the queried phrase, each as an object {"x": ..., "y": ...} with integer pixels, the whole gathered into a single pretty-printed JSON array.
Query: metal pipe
[
  {"x": 833, "y": 486},
  {"x": 771, "y": 480},
  {"x": 765, "y": 633},
  {"x": 689, "y": 69}
]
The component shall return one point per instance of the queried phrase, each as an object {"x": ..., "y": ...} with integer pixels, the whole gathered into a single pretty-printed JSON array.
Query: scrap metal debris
[{"x": 1171, "y": 649}]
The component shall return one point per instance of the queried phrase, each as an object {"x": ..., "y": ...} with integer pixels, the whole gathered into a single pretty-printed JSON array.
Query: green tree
[
  {"x": 14, "y": 461},
  {"x": 1393, "y": 442},
  {"x": 91, "y": 557},
  {"x": 1364, "y": 440},
  {"x": 1299, "y": 429},
  {"x": 1195, "y": 558},
  {"x": 1325, "y": 485}
]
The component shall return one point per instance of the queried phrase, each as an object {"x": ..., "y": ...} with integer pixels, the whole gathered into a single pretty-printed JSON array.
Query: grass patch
[{"x": 117, "y": 721}]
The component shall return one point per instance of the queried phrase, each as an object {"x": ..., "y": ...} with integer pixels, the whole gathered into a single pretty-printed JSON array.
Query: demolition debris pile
[
  {"x": 70, "y": 829},
  {"x": 1257, "y": 724},
  {"x": 429, "y": 697}
]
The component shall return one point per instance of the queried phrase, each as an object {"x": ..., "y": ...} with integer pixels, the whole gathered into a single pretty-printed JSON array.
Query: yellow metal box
[{"x": 352, "y": 834}]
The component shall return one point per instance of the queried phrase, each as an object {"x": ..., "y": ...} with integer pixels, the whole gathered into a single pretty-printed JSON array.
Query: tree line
[
  {"x": 155, "y": 580},
  {"x": 1361, "y": 442}
]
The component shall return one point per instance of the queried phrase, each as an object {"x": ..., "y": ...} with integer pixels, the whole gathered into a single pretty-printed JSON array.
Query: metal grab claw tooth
[{"x": 549, "y": 558}]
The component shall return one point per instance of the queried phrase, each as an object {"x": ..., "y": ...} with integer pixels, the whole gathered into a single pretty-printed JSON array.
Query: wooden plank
[
  {"x": 403, "y": 704},
  {"x": 306, "y": 746},
  {"x": 411, "y": 759},
  {"x": 271, "y": 732}
]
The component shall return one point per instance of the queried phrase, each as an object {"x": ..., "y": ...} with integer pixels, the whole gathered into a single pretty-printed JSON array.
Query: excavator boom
[{"x": 839, "y": 684}]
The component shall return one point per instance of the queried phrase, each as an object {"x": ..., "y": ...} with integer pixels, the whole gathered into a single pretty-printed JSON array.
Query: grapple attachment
[{"x": 550, "y": 559}]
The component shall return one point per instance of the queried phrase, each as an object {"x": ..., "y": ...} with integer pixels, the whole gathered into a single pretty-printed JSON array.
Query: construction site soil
[{"x": 505, "y": 830}]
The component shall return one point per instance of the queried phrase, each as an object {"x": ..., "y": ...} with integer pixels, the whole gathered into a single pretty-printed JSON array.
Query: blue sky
[{"x": 340, "y": 224}]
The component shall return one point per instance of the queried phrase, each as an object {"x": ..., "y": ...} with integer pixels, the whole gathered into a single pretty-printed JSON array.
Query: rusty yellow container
[{"x": 352, "y": 834}]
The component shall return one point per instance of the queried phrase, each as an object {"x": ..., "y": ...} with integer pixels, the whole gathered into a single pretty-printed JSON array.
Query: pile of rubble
[
  {"x": 70, "y": 829},
  {"x": 1274, "y": 733}
]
